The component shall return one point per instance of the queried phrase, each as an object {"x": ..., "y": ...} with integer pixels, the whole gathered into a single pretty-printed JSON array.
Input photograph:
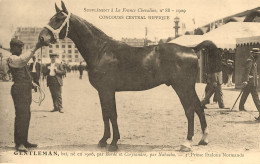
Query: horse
[{"x": 114, "y": 66}]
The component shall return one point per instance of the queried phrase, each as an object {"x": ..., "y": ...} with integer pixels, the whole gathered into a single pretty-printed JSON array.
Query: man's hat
[
  {"x": 230, "y": 61},
  {"x": 16, "y": 42},
  {"x": 54, "y": 54},
  {"x": 255, "y": 50}
]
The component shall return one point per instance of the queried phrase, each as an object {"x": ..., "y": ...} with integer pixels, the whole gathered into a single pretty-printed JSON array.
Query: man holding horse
[{"x": 21, "y": 93}]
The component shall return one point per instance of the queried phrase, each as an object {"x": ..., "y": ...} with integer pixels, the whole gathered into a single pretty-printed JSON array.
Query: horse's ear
[
  {"x": 57, "y": 9},
  {"x": 63, "y": 7}
]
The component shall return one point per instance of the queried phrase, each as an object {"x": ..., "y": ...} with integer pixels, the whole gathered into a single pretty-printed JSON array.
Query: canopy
[
  {"x": 224, "y": 36},
  {"x": 188, "y": 40},
  {"x": 248, "y": 40}
]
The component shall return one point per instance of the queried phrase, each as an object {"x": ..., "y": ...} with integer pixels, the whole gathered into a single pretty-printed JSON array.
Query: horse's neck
[{"x": 86, "y": 40}]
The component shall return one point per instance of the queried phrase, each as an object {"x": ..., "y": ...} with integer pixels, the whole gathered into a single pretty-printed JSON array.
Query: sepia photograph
[{"x": 172, "y": 81}]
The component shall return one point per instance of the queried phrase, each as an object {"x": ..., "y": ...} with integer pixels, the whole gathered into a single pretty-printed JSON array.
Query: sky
[{"x": 36, "y": 13}]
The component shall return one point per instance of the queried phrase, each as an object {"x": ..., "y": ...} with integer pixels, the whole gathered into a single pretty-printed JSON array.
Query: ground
[{"x": 149, "y": 121}]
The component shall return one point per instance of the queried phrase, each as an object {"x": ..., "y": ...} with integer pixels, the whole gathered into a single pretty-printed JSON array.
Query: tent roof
[
  {"x": 188, "y": 40},
  {"x": 250, "y": 40},
  {"x": 226, "y": 35}
]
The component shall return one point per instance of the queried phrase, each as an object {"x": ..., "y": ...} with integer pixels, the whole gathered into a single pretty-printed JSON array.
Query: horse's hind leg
[
  {"x": 187, "y": 101},
  {"x": 200, "y": 112},
  {"x": 195, "y": 105}
]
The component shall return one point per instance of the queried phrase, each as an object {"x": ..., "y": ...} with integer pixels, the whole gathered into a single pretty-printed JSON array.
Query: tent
[
  {"x": 225, "y": 36},
  {"x": 188, "y": 40}
]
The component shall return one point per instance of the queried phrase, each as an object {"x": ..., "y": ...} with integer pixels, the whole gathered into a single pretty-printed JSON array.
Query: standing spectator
[
  {"x": 81, "y": 68},
  {"x": 214, "y": 78},
  {"x": 35, "y": 69},
  {"x": 21, "y": 93},
  {"x": 230, "y": 69},
  {"x": 54, "y": 72},
  {"x": 63, "y": 64},
  {"x": 250, "y": 81}
]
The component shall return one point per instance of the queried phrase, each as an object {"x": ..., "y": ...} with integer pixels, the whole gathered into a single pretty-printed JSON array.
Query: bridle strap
[{"x": 57, "y": 31}]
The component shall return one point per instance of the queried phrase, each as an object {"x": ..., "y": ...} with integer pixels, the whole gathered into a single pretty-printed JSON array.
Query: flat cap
[
  {"x": 54, "y": 54},
  {"x": 16, "y": 42},
  {"x": 255, "y": 50}
]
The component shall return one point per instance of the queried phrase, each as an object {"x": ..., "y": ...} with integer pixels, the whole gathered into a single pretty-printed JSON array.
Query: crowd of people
[{"x": 26, "y": 77}]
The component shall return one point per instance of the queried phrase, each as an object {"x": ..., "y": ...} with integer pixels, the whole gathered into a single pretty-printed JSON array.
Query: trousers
[
  {"x": 56, "y": 90},
  {"x": 22, "y": 98},
  {"x": 249, "y": 89},
  {"x": 218, "y": 93}
]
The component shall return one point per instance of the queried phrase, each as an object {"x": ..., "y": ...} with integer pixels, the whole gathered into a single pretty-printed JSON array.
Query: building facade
[
  {"x": 65, "y": 48},
  {"x": 135, "y": 42}
]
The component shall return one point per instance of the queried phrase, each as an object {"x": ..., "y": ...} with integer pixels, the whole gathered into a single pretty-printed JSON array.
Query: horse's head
[{"x": 57, "y": 28}]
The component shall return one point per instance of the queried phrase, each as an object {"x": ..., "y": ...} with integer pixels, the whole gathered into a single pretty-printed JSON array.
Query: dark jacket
[
  {"x": 59, "y": 72},
  {"x": 250, "y": 75},
  {"x": 37, "y": 67}
]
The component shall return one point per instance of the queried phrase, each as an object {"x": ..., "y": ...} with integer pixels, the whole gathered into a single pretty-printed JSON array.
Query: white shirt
[
  {"x": 19, "y": 61},
  {"x": 52, "y": 68},
  {"x": 34, "y": 69}
]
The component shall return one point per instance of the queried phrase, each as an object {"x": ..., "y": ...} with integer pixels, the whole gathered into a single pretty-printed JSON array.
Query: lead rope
[{"x": 39, "y": 89}]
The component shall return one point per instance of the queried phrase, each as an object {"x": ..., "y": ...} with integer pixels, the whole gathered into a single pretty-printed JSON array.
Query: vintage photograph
[{"x": 129, "y": 81}]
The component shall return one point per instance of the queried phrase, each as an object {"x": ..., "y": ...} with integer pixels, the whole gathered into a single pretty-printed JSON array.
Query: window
[
  {"x": 57, "y": 46},
  {"x": 69, "y": 46},
  {"x": 76, "y": 56},
  {"x": 76, "y": 51},
  {"x": 69, "y": 51},
  {"x": 63, "y": 46},
  {"x": 63, "y": 56},
  {"x": 50, "y": 51},
  {"x": 70, "y": 56}
]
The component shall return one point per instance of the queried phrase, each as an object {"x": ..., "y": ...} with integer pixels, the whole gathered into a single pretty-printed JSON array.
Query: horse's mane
[{"x": 96, "y": 32}]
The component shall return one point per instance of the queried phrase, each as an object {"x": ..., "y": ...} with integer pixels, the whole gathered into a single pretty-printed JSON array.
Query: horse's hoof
[
  {"x": 112, "y": 148},
  {"x": 184, "y": 148},
  {"x": 102, "y": 144},
  {"x": 203, "y": 142}
]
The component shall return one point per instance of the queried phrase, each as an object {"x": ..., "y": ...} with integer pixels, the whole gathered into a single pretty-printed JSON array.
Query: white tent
[
  {"x": 225, "y": 36},
  {"x": 188, "y": 40}
]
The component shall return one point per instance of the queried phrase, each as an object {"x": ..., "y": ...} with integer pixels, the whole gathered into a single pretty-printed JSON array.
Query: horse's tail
[{"x": 206, "y": 44}]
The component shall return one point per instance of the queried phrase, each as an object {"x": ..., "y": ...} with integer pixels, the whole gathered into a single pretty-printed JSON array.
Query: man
[
  {"x": 21, "y": 93},
  {"x": 250, "y": 81},
  {"x": 214, "y": 80},
  {"x": 230, "y": 69},
  {"x": 35, "y": 68},
  {"x": 81, "y": 69},
  {"x": 54, "y": 72}
]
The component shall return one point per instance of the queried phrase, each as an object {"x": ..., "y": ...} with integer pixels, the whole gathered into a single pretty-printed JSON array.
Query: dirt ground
[{"x": 149, "y": 121}]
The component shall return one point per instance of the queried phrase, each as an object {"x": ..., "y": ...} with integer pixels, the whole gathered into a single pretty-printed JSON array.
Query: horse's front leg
[{"x": 108, "y": 105}]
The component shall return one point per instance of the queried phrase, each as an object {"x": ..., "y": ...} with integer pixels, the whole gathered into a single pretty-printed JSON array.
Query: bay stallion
[{"x": 115, "y": 66}]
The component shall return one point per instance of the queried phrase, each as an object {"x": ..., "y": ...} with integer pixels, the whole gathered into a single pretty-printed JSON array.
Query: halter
[{"x": 57, "y": 31}]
